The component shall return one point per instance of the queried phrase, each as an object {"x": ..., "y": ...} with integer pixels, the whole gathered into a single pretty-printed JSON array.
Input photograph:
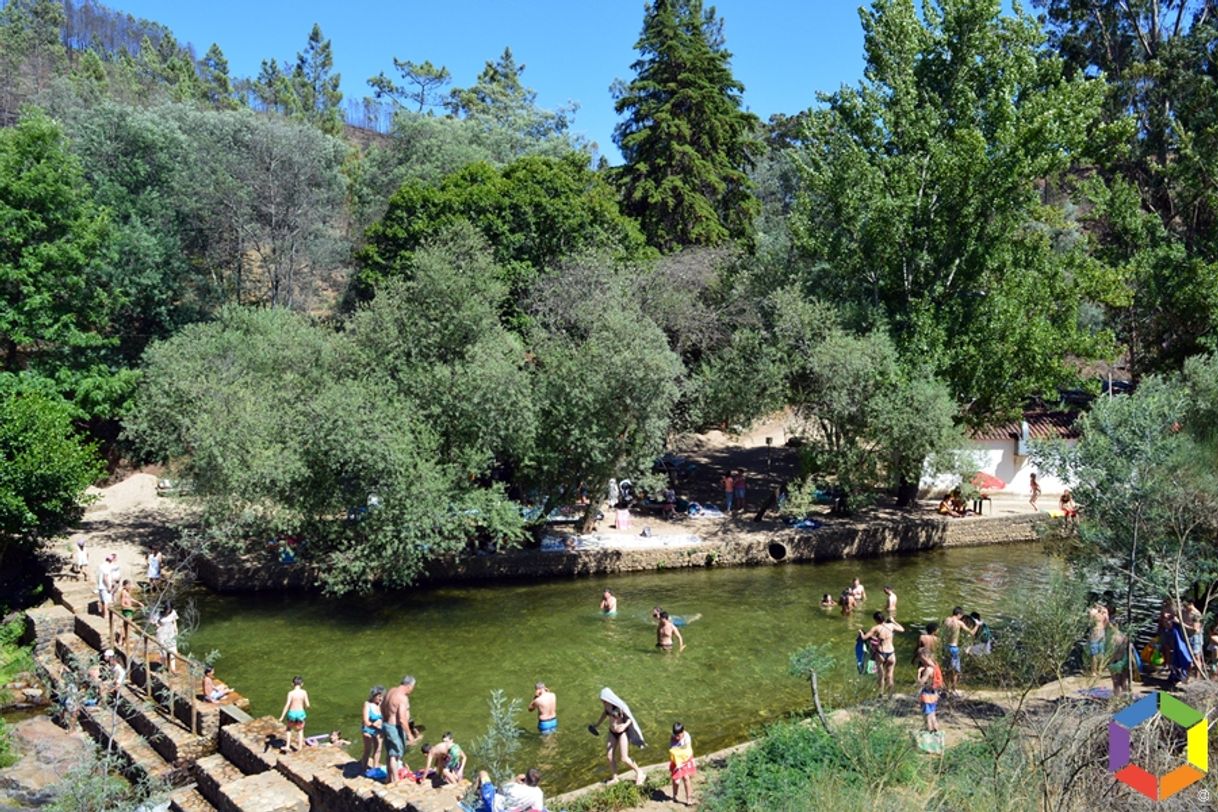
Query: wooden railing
[{"x": 194, "y": 668}]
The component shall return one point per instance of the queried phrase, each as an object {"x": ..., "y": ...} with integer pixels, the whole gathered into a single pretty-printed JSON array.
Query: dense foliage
[{"x": 443, "y": 307}]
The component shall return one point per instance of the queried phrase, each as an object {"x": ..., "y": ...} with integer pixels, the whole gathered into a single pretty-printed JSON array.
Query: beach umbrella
[{"x": 987, "y": 482}]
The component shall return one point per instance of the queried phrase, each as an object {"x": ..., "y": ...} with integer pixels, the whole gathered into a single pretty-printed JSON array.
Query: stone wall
[{"x": 727, "y": 548}]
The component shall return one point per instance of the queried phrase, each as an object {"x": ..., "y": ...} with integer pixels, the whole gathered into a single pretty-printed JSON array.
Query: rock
[
  {"x": 47, "y": 752},
  {"x": 17, "y": 686},
  {"x": 32, "y": 694}
]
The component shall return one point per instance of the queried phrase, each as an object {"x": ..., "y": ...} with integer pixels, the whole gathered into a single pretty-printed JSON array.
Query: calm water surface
[{"x": 462, "y": 642}]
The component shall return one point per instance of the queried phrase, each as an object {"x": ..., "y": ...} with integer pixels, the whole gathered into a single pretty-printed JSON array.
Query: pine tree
[
  {"x": 686, "y": 141},
  {"x": 217, "y": 87},
  {"x": 316, "y": 86}
]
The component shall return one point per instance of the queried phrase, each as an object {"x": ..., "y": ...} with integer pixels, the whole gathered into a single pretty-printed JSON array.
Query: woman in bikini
[
  {"x": 617, "y": 743},
  {"x": 885, "y": 652},
  {"x": 371, "y": 728}
]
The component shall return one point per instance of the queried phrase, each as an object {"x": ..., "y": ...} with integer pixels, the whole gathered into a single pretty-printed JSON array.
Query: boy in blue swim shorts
[{"x": 545, "y": 702}]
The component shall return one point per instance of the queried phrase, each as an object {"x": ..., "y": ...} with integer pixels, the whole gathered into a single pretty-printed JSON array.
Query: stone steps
[
  {"x": 142, "y": 762},
  {"x": 264, "y": 792},
  {"x": 189, "y": 799},
  {"x": 175, "y": 744},
  {"x": 253, "y": 746},
  {"x": 213, "y": 772}
]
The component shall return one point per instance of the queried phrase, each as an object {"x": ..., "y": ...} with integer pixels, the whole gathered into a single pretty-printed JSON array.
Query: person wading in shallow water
[
  {"x": 546, "y": 705},
  {"x": 885, "y": 652}
]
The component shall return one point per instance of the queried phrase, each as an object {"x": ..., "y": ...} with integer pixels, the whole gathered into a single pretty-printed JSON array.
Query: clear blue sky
[{"x": 783, "y": 50}]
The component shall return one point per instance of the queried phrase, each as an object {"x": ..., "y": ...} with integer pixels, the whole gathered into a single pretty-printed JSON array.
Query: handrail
[{"x": 193, "y": 666}]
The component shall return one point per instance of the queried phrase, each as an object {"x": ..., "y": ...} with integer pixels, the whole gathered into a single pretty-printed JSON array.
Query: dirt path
[{"x": 127, "y": 518}]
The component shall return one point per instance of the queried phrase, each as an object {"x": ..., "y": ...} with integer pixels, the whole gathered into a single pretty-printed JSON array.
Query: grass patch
[
  {"x": 14, "y": 659},
  {"x": 622, "y": 795}
]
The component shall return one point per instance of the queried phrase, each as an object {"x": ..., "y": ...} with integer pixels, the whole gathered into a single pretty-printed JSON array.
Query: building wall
[{"x": 997, "y": 457}]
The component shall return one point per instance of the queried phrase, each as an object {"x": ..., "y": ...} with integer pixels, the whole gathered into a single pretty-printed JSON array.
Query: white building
[{"x": 1003, "y": 450}]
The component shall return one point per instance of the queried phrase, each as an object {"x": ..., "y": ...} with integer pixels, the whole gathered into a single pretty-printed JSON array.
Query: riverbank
[
  {"x": 731, "y": 542},
  {"x": 962, "y": 721}
]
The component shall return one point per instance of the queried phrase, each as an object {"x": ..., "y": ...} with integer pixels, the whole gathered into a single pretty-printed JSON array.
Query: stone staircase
[{"x": 216, "y": 756}]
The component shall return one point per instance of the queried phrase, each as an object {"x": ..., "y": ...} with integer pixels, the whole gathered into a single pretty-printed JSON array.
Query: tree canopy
[{"x": 686, "y": 141}]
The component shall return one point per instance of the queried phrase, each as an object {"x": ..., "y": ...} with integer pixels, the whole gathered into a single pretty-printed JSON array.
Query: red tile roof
[{"x": 1042, "y": 425}]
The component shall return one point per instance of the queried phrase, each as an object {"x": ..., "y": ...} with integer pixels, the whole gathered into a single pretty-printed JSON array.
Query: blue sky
[{"x": 783, "y": 50}]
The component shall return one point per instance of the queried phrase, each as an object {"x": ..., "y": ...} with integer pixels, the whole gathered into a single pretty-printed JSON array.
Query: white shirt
[
  {"x": 154, "y": 565},
  {"x": 521, "y": 798}
]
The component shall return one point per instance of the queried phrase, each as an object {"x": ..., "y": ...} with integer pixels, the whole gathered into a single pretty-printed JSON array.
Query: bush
[
  {"x": 623, "y": 795},
  {"x": 7, "y": 757},
  {"x": 14, "y": 659},
  {"x": 794, "y": 766}
]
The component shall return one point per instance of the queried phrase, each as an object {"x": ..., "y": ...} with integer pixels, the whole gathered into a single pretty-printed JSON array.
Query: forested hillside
[{"x": 432, "y": 296}]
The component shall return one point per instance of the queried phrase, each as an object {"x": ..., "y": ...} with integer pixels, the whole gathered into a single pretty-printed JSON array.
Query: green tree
[
  {"x": 921, "y": 210},
  {"x": 44, "y": 466},
  {"x": 316, "y": 86},
  {"x": 533, "y": 212},
  {"x": 606, "y": 385},
  {"x": 1143, "y": 471},
  {"x": 1155, "y": 225},
  {"x": 55, "y": 304},
  {"x": 873, "y": 424},
  {"x": 686, "y": 141},
  {"x": 279, "y": 431},
  {"x": 217, "y": 87},
  {"x": 422, "y": 83}
]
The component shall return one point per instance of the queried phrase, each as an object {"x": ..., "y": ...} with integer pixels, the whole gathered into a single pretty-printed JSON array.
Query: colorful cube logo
[{"x": 1152, "y": 786}]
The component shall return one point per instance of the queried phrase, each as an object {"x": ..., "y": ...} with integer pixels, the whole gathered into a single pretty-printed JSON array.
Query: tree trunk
[
  {"x": 816, "y": 701},
  {"x": 587, "y": 523}
]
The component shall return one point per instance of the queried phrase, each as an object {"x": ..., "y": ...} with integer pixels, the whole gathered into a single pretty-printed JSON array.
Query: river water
[{"x": 462, "y": 642}]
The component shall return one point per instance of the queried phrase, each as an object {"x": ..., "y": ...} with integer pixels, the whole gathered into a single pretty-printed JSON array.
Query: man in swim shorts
[
  {"x": 546, "y": 705},
  {"x": 665, "y": 632},
  {"x": 609, "y": 604},
  {"x": 1097, "y": 615},
  {"x": 954, "y": 624},
  {"x": 885, "y": 652},
  {"x": 395, "y": 725},
  {"x": 295, "y": 711}
]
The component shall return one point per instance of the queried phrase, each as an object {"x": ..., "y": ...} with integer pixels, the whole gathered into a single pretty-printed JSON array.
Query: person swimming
[
  {"x": 608, "y": 604},
  {"x": 677, "y": 620},
  {"x": 827, "y": 602}
]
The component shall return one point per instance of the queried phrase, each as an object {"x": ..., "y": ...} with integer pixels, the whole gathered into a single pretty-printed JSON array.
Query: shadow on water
[{"x": 462, "y": 642}]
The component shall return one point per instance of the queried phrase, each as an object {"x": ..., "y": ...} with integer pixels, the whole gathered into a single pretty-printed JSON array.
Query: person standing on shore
[
  {"x": 1035, "y": 486},
  {"x": 154, "y": 566},
  {"x": 623, "y": 730},
  {"x": 395, "y": 724},
  {"x": 729, "y": 490},
  {"x": 295, "y": 711},
  {"x": 739, "y": 490},
  {"x": 167, "y": 635},
  {"x": 681, "y": 765},
  {"x": 545, "y": 702},
  {"x": 371, "y": 728}
]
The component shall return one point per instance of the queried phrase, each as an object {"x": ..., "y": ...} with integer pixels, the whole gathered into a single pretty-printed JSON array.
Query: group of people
[
  {"x": 1180, "y": 643},
  {"x": 877, "y": 646},
  {"x": 735, "y": 490},
  {"x": 117, "y": 594},
  {"x": 387, "y": 726}
]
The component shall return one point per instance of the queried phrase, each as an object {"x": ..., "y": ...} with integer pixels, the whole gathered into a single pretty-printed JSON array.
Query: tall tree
[
  {"x": 500, "y": 101},
  {"x": 55, "y": 306},
  {"x": 686, "y": 141},
  {"x": 1157, "y": 57},
  {"x": 217, "y": 87},
  {"x": 317, "y": 87},
  {"x": 421, "y": 84},
  {"x": 922, "y": 205}
]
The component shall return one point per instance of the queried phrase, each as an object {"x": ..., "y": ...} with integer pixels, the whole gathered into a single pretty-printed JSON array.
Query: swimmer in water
[
  {"x": 665, "y": 633},
  {"x": 657, "y": 614},
  {"x": 609, "y": 604},
  {"x": 827, "y": 602}
]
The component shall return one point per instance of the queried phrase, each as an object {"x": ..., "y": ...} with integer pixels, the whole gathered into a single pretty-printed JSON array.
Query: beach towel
[
  {"x": 634, "y": 733},
  {"x": 860, "y": 655}
]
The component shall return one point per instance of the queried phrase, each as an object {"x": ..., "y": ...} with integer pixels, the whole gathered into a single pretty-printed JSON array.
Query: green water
[{"x": 461, "y": 642}]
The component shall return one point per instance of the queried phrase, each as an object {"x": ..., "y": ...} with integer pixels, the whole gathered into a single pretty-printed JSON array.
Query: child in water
[{"x": 827, "y": 602}]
